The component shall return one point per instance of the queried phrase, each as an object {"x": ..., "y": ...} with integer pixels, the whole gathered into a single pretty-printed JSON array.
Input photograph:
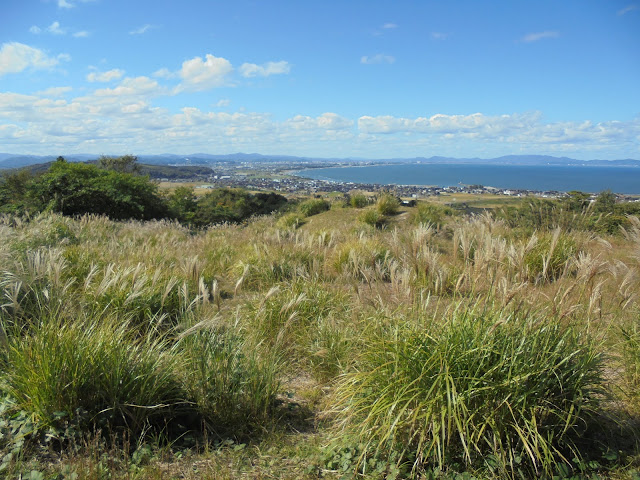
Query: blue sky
[{"x": 343, "y": 78}]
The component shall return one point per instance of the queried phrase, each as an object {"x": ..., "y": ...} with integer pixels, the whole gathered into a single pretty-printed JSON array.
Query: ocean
[{"x": 523, "y": 177}]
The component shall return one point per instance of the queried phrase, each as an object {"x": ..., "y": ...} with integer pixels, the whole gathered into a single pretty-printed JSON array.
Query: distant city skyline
[{"x": 367, "y": 79}]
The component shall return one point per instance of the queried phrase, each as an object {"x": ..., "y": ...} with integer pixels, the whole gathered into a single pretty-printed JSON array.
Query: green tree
[
  {"x": 182, "y": 203},
  {"x": 234, "y": 205},
  {"x": 14, "y": 187},
  {"x": 123, "y": 164},
  {"x": 605, "y": 202},
  {"x": 77, "y": 188}
]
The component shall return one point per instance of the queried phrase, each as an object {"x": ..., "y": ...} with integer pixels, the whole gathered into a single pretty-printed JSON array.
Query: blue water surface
[{"x": 524, "y": 177}]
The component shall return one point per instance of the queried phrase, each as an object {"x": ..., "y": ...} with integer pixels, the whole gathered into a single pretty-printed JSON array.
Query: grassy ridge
[{"x": 432, "y": 346}]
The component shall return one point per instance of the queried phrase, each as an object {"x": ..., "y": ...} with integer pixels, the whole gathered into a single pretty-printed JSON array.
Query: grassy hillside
[{"x": 320, "y": 343}]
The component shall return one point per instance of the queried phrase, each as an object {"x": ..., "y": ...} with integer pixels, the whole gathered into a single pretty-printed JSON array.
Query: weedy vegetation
[{"x": 308, "y": 344}]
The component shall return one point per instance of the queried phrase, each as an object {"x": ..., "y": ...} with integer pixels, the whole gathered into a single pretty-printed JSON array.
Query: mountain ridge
[{"x": 8, "y": 160}]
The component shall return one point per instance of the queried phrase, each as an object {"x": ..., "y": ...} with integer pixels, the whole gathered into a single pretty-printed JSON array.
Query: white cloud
[
  {"x": 16, "y": 57},
  {"x": 55, "y": 29},
  {"x": 389, "y": 26},
  {"x": 326, "y": 121},
  {"x": 270, "y": 68},
  {"x": 224, "y": 102},
  {"x": 140, "y": 30},
  {"x": 377, "y": 59},
  {"x": 108, "y": 76},
  {"x": 164, "y": 73},
  {"x": 71, "y": 3},
  {"x": 534, "y": 37},
  {"x": 198, "y": 75},
  {"x": 627, "y": 9},
  {"x": 131, "y": 87},
  {"x": 54, "y": 91},
  {"x": 81, "y": 34}
]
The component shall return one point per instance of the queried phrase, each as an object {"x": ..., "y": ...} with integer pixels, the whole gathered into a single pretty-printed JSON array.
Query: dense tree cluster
[{"x": 113, "y": 188}]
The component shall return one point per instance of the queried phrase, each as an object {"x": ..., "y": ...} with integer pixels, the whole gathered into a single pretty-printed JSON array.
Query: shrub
[
  {"x": 373, "y": 218},
  {"x": 358, "y": 200},
  {"x": 314, "y": 206},
  {"x": 431, "y": 213},
  {"x": 387, "y": 204},
  {"x": 479, "y": 390},
  {"x": 234, "y": 205}
]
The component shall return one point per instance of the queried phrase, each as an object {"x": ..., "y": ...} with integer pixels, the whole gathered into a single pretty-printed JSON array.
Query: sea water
[{"x": 522, "y": 177}]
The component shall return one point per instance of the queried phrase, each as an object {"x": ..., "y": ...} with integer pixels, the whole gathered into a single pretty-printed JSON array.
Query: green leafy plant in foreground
[{"x": 479, "y": 389}]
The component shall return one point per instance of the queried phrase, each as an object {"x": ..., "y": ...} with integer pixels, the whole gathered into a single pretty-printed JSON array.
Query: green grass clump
[
  {"x": 372, "y": 218},
  {"x": 550, "y": 257},
  {"x": 314, "y": 206},
  {"x": 431, "y": 213},
  {"x": 358, "y": 200},
  {"x": 95, "y": 373},
  {"x": 233, "y": 386},
  {"x": 290, "y": 221},
  {"x": 479, "y": 390},
  {"x": 631, "y": 357},
  {"x": 387, "y": 204}
]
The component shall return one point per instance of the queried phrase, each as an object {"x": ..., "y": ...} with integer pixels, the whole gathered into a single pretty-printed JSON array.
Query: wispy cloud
[
  {"x": 141, "y": 30},
  {"x": 377, "y": 59},
  {"x": 627, "y": 9},
  {"x": 389, "y": 26},
  {"x": 81, "y": 34},
  {"x": 108, "y": 76},
  {"x": 70, "y": 3},
  {"x": 440, "y": 35},
  {"x": 54, "y": 91},
  {"x": 534, "y": 37},
  {"x": 249, "y": 70}
]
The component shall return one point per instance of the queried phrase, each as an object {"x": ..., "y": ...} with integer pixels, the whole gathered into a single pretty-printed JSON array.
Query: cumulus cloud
[
  {"x": 125, "y": 118},
  {"x": 198, "y": 74},
  {"x": 534, "y": 37},
  {"x": 377, "y": 59},
  {"x": 140, "y": 30},
  {"x": 476, "y": 124},
  {"x": 16, "y": 57},
  {"x": 107, "y": 76},
  {"x": 249, "y": 70},
  {"x": 164, "y": 73},
  {"x": 326, "y": 121}
]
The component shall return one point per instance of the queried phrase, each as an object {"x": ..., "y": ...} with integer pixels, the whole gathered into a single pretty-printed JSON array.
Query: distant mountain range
[{"x": 8, "y": 160}]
